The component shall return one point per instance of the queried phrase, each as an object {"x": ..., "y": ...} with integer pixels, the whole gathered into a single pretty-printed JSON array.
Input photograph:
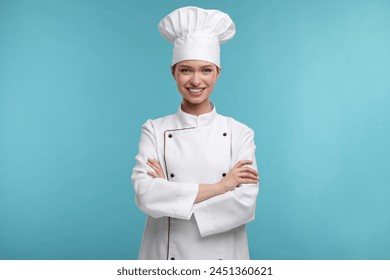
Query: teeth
[{"x": 195, "y": 90}]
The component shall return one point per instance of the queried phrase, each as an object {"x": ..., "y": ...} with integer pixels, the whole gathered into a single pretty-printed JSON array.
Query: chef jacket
[{"x": 193, "y": 150}]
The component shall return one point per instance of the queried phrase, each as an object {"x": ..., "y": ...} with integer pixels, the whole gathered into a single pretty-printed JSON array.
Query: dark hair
[{"x": 173, "y": 69}]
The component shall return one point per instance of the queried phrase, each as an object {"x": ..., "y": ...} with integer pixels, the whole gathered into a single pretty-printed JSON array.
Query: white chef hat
[{"x": 196, "y": 34}]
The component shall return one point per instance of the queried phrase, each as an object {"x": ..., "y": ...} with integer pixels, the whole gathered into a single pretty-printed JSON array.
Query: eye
[
  {"x": 184, "y": 70},
  {"x": 207, "y": 70}
]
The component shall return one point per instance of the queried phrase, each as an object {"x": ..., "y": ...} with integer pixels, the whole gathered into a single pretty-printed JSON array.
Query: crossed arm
[{"x": 239, "y": 174}]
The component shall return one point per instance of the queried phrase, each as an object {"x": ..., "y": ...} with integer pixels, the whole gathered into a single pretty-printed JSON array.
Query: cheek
[
  {"x": 211, "y": 81},
  {"x": 180, "y": 80}
]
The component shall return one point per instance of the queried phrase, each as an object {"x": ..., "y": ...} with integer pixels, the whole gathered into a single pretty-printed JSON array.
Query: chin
[{"x": 196, "y": 101}]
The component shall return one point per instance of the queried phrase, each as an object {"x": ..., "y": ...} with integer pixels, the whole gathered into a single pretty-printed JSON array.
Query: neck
[{"x": 196, "y": 109}]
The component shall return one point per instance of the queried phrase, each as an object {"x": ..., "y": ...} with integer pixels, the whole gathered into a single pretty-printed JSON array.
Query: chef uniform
[{"x": 194, "y": 150}]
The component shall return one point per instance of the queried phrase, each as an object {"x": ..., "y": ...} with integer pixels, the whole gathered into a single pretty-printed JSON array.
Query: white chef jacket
[{"x": 194, "y": 150}]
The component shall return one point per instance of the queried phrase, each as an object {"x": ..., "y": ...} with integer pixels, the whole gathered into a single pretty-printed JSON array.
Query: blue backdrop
[{"x": 78, "y": 79}]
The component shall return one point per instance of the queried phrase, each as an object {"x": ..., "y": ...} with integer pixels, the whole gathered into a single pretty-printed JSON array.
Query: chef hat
[{"x": 196, "y": 34}]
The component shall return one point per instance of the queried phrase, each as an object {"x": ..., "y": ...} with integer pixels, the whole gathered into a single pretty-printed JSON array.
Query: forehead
[{"x": 194, "y": 63}]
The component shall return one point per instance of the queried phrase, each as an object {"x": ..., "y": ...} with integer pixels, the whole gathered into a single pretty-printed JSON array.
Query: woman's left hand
[{"x": 156, "y": 166}]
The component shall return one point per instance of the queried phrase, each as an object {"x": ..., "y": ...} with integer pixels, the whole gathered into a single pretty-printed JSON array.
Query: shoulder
[{"x": 159, "y": 122}]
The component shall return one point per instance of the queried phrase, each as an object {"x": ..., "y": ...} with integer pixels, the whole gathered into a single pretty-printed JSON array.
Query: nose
[{"x": 195, "y": 79}]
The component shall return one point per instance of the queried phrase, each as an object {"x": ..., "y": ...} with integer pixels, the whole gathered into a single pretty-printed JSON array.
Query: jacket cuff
[{"x": 185, "y": 206}]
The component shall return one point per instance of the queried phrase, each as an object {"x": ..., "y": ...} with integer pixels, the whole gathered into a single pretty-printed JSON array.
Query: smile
[{"x": 196, "y": 91}]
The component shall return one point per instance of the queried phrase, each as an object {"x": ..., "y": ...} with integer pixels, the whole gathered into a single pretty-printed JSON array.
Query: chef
[{"x": 195, "y": 174}]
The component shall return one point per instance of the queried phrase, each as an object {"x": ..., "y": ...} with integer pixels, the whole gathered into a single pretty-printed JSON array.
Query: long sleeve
[
  {"x": 235, "y": 208},
  {"x": 159, "y": 197}
]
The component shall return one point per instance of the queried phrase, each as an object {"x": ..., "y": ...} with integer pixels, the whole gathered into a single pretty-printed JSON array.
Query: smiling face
[{"x": 195, "y": 81}]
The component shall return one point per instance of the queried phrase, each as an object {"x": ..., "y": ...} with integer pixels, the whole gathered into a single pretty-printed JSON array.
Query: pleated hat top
[{"x": 196, "y": 34}]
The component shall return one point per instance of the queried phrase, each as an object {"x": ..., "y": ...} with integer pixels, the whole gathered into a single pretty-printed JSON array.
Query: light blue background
[{"x": 78, "y": 79}]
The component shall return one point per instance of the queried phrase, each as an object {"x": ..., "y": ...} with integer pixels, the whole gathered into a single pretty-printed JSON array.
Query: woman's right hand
[{"x": 239, "y": 174}]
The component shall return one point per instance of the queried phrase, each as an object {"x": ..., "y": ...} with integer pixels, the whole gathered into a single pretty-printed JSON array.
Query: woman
[{"x": 195, "y": 175}]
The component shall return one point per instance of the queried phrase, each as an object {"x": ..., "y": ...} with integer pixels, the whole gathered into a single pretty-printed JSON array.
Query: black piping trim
[{"x": 166, "y": 176}]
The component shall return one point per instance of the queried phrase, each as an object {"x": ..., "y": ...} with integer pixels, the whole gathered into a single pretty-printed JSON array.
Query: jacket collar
[{"x": 188, "y": 120}]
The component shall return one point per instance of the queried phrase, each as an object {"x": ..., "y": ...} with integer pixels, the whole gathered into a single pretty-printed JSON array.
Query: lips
[{"x": 195, "y": 91}]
